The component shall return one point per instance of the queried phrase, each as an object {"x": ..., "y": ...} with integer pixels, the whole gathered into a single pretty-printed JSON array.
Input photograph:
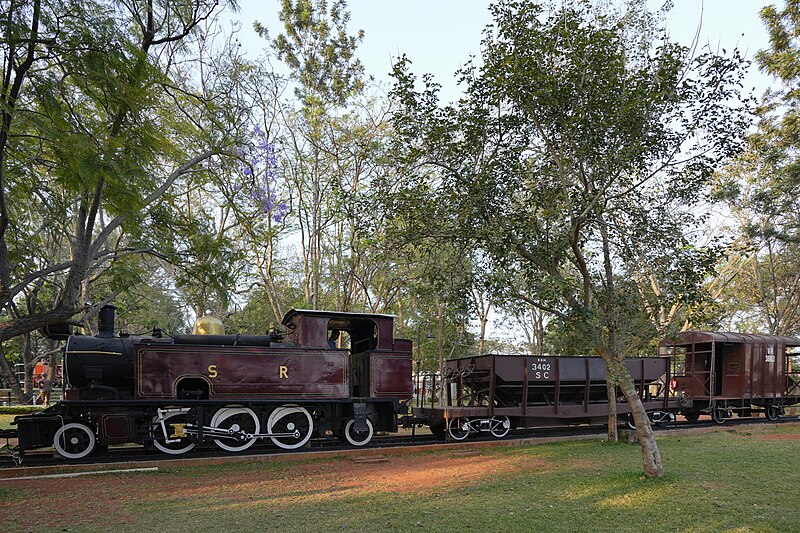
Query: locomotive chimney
[{"x": 105, "y": 319}]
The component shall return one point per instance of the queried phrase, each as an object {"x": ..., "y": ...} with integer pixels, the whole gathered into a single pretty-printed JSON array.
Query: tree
[
  {"x": 761, "y": 190},
  {"x": 321, "y": 57},
  {"x": 579, "y": 148},
  {"x": 99, "y": 119}
]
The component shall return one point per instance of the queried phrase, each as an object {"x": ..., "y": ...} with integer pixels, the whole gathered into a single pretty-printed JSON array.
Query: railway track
[{"x": 125, "y": 457}]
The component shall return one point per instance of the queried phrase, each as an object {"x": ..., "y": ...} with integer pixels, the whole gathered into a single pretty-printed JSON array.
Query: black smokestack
[{"x": 105, "y": 320}]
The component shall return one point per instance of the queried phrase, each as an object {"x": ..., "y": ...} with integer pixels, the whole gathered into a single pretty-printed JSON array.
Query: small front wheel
[{"x": 74, "y": 440}]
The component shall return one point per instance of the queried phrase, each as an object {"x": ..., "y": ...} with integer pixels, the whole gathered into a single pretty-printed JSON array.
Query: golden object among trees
[{"x": 208, "y": 325}]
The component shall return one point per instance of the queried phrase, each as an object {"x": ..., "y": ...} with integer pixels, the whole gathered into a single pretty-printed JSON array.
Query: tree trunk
[
  {"x": 651, "y": 456},
  {"x": 10, "y": 377},
  {"x": 611, "y": 391},
  {"x": 440, "y": 346}
]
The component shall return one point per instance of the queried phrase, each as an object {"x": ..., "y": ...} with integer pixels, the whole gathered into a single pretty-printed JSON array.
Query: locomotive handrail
[{"x": 224, "y": 340}]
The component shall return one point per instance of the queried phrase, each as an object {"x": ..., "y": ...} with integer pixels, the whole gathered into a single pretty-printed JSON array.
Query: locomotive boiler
[{"x": 174, "y": 393}]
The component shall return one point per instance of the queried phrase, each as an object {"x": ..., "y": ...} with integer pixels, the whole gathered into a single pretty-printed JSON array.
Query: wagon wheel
[
  {"x": 773, "y": 412},
  {"x": 500, "y": 426},
  {"x": 74, "y": 440},
  {"x": 169, "y": 434},
  {"x": 241, "y": 423},
  {"x": 663, "y": 420},
  {"x": 438, "y": 430},
  {"x": 294, "y": 422},
  {"x": 458, "y": 428},
  {"x": 631, "y": 423},
  {"x": 357, "y": 438},
  {"x": 692, "y": 416},
  {"x": 717, "y": 415}
]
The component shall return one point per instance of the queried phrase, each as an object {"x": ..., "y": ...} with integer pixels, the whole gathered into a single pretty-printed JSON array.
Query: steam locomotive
[{"x": 174, "y": 393}]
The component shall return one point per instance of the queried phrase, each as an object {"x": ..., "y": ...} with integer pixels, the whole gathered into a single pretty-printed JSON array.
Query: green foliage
[
  {"x": 761, "y": 191},
  {"x": 571, "y": 163},
  {"x": 96, "y": 127},
  {"x": 318, "y": 49}
]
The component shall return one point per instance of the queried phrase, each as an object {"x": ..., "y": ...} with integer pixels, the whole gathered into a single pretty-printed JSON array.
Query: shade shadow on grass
[{"x": 715, "y": 482}]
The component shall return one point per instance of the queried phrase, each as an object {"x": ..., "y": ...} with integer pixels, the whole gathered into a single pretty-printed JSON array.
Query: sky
[{"x": 439, "y": 36}]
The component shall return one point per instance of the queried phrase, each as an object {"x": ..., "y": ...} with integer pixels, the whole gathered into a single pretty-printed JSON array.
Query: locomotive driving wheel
[
  {"x": 168, "y": 432},
  {"x": 74, "y": 440},
  {"x": 357, "y": 438},
  {"x": 240, "y": 423},
  {"x": 293, "y": 423}
]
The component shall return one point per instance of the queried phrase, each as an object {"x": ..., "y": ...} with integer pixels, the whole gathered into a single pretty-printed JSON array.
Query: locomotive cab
[{"x": 379, "y": 365}]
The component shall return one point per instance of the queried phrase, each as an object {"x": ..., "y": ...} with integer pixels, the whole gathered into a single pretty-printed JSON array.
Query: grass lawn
[
  {"x": 742, "y": 480},
  {"x": 5, "y": 421}
]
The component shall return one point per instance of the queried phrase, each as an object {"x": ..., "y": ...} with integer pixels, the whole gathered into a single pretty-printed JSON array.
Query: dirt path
[{"x": 88, "y": 500}]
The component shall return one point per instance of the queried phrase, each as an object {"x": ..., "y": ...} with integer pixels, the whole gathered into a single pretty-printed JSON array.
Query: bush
[{"x": 20, "y": 409}]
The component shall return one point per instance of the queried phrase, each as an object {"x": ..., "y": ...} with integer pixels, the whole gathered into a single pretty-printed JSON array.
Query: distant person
[
  {"x": 333, "y": 339},
  {"x": 45, "y": 388}
]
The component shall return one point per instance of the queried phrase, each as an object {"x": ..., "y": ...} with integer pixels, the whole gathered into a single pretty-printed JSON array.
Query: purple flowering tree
[
  {"x": 259, "y": 186},
  {"x": 260, "y": 171}
]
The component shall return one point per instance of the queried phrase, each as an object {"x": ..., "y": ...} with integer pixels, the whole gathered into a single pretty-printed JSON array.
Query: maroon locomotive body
[
  {"x": 333, "y": 375},
  {"x": 303, "y": 366}
]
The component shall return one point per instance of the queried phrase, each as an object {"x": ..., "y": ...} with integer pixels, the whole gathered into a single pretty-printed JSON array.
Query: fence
[{"x": 7, "y": 398}]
